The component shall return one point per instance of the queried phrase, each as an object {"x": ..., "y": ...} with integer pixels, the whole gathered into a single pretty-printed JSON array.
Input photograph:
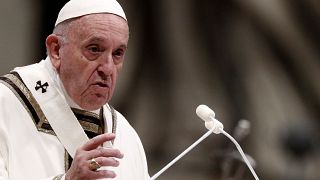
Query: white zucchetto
[{"x": 77, "y": 8}]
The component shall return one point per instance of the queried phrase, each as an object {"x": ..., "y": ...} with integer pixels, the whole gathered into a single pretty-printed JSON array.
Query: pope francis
[{"x": 55, "y": 120}]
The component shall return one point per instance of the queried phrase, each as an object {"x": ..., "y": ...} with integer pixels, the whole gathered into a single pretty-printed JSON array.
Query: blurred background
[{"x": 257, "y": 61}]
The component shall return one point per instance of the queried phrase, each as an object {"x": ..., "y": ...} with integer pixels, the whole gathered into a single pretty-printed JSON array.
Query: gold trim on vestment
[
  {"x": 32, "y": 100},
  {"x": 58, "y": 177},
  {"x": 90, "y": 127},
  {"x": 66, "y": 161},
  {"x": 86, "y": 124},
  {"x": 114, "y": 121},
  {"x": 17, "y": 95},
  {"x": 86, "y": 113}
]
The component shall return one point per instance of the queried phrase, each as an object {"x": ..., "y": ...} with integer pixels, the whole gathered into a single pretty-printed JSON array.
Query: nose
[{"x": 106, "y": 67}]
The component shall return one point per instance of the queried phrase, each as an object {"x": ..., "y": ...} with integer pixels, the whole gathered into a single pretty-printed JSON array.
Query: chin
[
  {"x": 91, "y": 107},
  {"x": 96, "y": 104},
  {"x": 93, "y": 102}
]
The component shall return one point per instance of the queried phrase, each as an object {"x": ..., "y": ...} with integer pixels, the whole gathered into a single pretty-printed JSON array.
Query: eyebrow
[
  {"x": 95, "y": 39},
  {"x": 100, "y": 39},
  {"x": 125, "y": 47}
]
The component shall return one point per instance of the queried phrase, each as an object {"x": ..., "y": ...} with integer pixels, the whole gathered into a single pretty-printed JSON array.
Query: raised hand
[{"x": 91, "y": 156}]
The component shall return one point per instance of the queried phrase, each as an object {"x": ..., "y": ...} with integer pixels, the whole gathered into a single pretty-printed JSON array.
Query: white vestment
[{"x": 29, "y": 150}]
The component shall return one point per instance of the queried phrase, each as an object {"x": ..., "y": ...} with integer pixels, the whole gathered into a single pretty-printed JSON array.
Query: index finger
[{"x": 97, "y": 141}]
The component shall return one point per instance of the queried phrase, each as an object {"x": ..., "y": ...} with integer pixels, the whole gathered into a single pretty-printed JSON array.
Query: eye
[
  {"x": 118, "y": 53},
  {"x": 118, "y": 56},
  {"x": 94, "y": 48},
  {"x": 93, "y": 51}
]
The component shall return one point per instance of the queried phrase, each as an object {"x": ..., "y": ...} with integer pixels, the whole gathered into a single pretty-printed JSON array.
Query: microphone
[
  {"x": 205, "y": 113},
  {"x": 208, "y": 115},
  {"x": 213, "y": 125}
]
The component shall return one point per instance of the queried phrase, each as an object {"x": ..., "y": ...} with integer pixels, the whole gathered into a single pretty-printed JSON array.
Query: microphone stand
[
  {"x": 182, "y": 154},
  {"x": 241, "y": 131}
]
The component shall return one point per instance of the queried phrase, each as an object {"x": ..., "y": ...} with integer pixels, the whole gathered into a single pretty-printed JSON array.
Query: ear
[{"x": 53, "y": 50}]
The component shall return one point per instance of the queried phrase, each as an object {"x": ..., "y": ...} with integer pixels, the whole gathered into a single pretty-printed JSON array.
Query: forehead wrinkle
[
  {"x": 99, "y": 28},
  {"x": 94, "y": 38},
  {"x": 110, "y": 22},
  {"x": 98, "y": 39}
]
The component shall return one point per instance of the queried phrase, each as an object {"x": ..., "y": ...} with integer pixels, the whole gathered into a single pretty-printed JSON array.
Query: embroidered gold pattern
[
  {"x": 58, "y": 177},
  {"x": 86, "y": 117},
  {"x": 33, "y": 102},
  {"x": 66, "y": 161},
  {"x": 90, "y": 127},
  {"x": 86, "y": 113},
  {"x": 114, "y": 121},
  {"x": 17, "y": 95}
]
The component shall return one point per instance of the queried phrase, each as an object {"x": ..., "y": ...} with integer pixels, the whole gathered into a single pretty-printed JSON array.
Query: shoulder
[
  {"x": 10, "y": 105},
  {"x": 5, "y": 92}
]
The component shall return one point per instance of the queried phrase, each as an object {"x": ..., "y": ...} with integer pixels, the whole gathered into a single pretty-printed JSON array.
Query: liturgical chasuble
[{"x": 30, "y": 148}]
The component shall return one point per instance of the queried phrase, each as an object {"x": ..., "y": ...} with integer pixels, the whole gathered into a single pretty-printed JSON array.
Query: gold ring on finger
[{"x": 94, "y": 165}]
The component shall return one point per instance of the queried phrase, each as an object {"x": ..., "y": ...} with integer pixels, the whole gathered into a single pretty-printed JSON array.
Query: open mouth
[{"x": 102, "y": 84}]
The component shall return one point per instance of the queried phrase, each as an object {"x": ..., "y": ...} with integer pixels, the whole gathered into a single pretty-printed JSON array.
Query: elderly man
[{"x": 55, "y": 122}]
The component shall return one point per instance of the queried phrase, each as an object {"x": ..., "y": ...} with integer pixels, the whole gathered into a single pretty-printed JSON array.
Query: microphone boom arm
[{"x": 182, "y": 154}]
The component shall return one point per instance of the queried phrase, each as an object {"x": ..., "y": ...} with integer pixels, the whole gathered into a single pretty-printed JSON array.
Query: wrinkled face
[{"x": 89, "y": 60}]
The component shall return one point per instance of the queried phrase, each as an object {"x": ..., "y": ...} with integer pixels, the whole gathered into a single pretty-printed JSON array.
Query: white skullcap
[{"x": 77, "y": 8}]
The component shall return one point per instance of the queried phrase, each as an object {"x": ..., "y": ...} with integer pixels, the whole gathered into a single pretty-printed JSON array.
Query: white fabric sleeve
[
  {"x": 3, "y": 168},
  {"x": 146, "y": 175},
  {"x": 3, "y": 142}
]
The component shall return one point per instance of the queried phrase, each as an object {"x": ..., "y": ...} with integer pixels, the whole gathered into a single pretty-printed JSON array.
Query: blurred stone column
[{"x": 18, "y": 33}]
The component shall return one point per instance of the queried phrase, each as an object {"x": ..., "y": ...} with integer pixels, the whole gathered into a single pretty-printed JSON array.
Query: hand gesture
[{"x": 90, "y": 157}]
